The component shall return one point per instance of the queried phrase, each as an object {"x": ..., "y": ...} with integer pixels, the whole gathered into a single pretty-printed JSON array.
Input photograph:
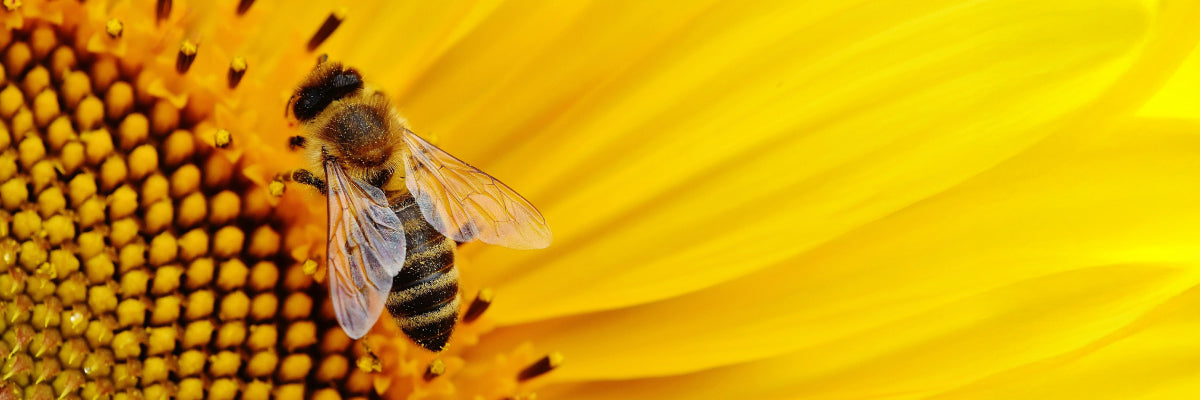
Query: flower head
[{"x": 813, "y": 199}]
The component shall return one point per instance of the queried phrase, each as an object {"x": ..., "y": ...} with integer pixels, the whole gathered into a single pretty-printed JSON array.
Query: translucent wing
[
  {"x": 464, "y": 203},
  {"x": 366, "y": 250}
]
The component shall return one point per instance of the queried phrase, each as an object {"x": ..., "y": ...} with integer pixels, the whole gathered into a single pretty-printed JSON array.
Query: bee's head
[{"x": 328, "y": 82}]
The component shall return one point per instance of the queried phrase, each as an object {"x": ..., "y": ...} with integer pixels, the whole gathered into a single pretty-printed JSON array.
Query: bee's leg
[
  {"x": 307, "y": 178},
  {"x": 296, "y": 142},
  {"x": 380, "y": 178}
]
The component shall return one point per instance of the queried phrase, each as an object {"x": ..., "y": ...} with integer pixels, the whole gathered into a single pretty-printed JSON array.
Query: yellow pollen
[
  {"x": 276, "y": 188},
  {"x": 310, "y": 267},
  {"x": 114, "y": 28},
  {"x": 237, "y": 69},
  {"x": 223, "y": 138},
  {"x": 238, "y": 64},
  {"x": 369, "y": 363},
  {"x": 12, "y": 5},
  {"x": 436, "y": 368}
]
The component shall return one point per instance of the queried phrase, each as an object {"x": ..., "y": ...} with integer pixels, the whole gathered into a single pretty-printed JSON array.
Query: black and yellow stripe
[{"x": 424, "y": 300}]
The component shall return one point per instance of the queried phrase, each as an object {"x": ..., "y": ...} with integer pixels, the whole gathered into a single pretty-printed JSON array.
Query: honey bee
[{"x": 392, "y": 245}]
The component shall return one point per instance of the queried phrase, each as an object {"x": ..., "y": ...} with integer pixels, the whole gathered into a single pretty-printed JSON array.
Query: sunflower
[{"x": 989, "y": 199}]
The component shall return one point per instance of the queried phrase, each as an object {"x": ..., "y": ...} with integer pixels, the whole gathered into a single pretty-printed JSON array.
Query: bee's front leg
[{"x": 306, "y": 177}]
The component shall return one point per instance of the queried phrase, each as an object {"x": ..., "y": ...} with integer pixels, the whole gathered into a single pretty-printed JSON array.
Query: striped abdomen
[{"x": 424, "y": 298}]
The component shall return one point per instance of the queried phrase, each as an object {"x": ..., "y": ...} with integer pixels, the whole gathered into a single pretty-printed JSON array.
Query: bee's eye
[
  {"x": 309, "y": 103},
  {"x": 313, "y": 99}
]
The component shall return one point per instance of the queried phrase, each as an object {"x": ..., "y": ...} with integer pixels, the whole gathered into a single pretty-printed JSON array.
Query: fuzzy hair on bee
[
  {"x": 359, "y": 128},
  {"x": 392, "y": 245}
]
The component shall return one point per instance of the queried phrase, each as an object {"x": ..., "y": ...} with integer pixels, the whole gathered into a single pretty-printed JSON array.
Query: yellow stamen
[
  {"x": 276, "y": 187},
  {"x": 542, "y": 366},
  {"x": 114, "y": 27},
  {"x": 162, "y": 10},
  {"x": 237, "y": 69},
  {"x": 310, "y": 267},
  {"x": 481, "y": 303},
  {"x": 243, "y": 6},
  {"x": 187, "y": 54},
  {"x": 369, "y": 363},
  {"x": 223, "y": 138},
  {"x": 435, "y": 369},
  {"x": 331, "y": 23}
]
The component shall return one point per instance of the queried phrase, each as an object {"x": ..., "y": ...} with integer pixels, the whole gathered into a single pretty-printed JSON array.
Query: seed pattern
[
  {"x": 134, "y": 262},
  {"x": 145, "y": 252}
]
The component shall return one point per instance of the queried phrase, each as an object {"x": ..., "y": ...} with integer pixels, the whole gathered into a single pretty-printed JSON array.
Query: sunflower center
[
  {"x": 134, "y": 257},
  {"x": 141, "y": 258}
]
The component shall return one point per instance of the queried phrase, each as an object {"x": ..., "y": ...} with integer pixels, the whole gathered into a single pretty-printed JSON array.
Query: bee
[{"x": 391, "y": 244}]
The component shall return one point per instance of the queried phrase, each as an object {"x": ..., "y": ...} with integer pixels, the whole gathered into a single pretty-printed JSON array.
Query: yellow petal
[
  {"x": 969, "y": 346},
  {"x": 1181, "y": 95},
  {"x": 1153, "y": 358},
  {"x": 1055, "y": 253},
  {"x": 751, "y": 134}
]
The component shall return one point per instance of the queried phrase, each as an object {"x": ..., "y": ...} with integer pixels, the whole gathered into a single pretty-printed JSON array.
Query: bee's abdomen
[{"x": 424, "y": 299}]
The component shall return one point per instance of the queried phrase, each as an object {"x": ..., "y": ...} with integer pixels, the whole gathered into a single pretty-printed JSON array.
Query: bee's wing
[
  {"x": 464, "y": 203},
  {"x": 366, "y": 250}
]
